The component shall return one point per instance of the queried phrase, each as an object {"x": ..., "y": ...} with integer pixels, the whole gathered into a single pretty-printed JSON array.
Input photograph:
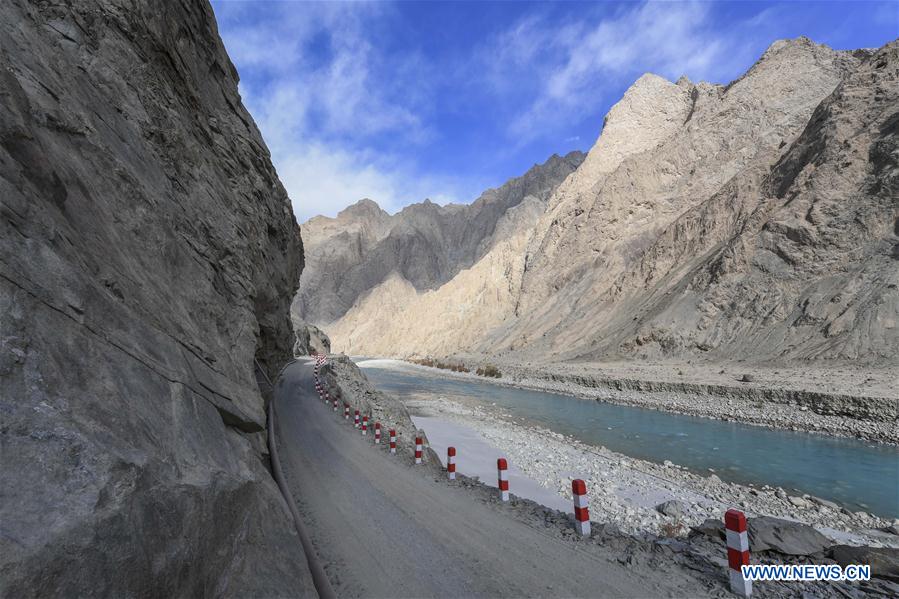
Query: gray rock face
[
  {"x": 147, "y": 257},
  {"x": 784, "y": 536},
  {"x": 425, "y": 243},
  {"x": 310, "y": 340}
]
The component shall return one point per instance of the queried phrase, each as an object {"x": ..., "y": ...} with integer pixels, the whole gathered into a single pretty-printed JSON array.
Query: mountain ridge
[
  {"x": 653, "y": 245},
  {"x": 427, "y": 243}
]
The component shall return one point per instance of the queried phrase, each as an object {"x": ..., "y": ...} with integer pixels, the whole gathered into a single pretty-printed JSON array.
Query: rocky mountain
[
  {"x": 426, "y": 244},
  {"x": 755, "y": 220},
  {"x": 147, "y": 259}
]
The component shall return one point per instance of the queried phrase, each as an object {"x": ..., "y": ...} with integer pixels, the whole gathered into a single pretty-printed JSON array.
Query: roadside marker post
[
  {"x": 356, "y": 419},
  {"x": 392, "y": 440},
  {"x": 346, "y": 411},
  {"x": 335, "y": 405},
  {"x": 737, "y": 551},
  {"x": 581, "y": 507},
  {"x": 502, "y": 467},
  {"x": 451, "y": 463},
  {"x": 418, "y": 450},
  {"x": 365, "y": 425},
  {"x": 377, "y": 433}
]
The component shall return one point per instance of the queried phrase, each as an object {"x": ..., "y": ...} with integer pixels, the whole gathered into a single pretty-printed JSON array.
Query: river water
[{"x": 855, "y": 474}]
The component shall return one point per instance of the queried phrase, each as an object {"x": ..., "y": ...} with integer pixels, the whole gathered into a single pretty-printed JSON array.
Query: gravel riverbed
[
  {"x": 626, "y": 491},
  {"x": 783, "y": 406}
]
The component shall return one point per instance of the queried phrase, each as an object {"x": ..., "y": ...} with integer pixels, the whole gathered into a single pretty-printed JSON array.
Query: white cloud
[
  {"x": 323, "y": 179},
  {"x": 573, "y": 62},
  {"x": 344, "y": 119},
  {"x": 320, "y": 97}
]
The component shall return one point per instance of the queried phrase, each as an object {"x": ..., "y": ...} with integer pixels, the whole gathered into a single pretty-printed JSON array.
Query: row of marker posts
[
  {"x": 359, "y": 421},
  {"x": 734, "y": 520}
]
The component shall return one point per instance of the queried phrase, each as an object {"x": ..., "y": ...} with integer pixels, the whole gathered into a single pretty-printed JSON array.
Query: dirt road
[{"x": 385, "y": 528}]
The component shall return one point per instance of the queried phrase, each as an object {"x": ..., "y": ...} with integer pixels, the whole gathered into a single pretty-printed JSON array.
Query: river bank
[
  {"x": 623, "y": 493},
  {"x": 841, "y": 402},
  {"x": 626, "y": 491}
]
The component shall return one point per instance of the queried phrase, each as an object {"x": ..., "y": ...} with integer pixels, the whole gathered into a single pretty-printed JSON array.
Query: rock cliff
[
  {"x": 753, "y": 221},
  {"x": 147, "y": 259},
  {"x": 426, "y": 244}
]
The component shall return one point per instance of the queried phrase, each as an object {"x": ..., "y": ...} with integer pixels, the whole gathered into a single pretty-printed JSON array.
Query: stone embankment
[
  {"x": 866, "y": 417},
  {"x": 631, "y": 493}
]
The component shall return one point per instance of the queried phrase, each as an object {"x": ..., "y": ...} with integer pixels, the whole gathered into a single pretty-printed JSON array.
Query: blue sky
[{"x": 407, "y": 100}]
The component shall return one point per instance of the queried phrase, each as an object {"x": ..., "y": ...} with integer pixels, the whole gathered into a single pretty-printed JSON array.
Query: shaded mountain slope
[{"x": 425, "y": 243}]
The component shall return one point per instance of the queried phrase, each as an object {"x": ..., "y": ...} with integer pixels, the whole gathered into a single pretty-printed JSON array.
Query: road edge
[{"x": 319, "y": 578}]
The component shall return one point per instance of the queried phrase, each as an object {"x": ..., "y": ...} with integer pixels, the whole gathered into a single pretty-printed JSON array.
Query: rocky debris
[
  {"x": 309, "y": 340},
  {"x": 344, "y": 381},
  {"x": 784, "y": 536},
  {"x": 625, "y": 491},
  {"x": 148, "y": 253},
  {"x": 424, "y": 244},
  {"x": 776, "y": 404},
  {"x": 884, "y": 562},
  {"x": 894, "y": 527},
  {"x": 699, "y": 561},
  {"x": 824, "y": 502}
]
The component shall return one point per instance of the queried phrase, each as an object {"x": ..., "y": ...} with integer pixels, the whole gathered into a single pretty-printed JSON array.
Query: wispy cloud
[
  {"x": 575, "y": 61},
  {"x": 320, "y": 92},
  {"x": 402, "y": 101}
]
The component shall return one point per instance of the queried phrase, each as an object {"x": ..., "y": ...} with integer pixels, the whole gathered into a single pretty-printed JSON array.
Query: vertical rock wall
[{"x": 148, "y": 256}]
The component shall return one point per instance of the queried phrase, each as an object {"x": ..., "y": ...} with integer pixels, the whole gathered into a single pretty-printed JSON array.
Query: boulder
[
  {"x": 799, "y": 501},
  {"x": 784, "y": 536},
  {"x": 672, "y": 508},
  {"x": 825, "y": 503},
  {"x": 712, "y": 528},
  {"x": 884, "y": 561}
]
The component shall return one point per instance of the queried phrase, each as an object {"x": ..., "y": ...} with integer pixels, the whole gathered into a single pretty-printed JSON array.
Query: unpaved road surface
[{"x": 385, "y": 528}]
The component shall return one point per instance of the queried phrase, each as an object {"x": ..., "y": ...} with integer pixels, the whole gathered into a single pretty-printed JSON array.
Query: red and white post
[
  {"x": 502, "y": 467},
  {"x": 451, "y": 463},
  {"x": 346, "y": 411},
  {"x": 418, "y": 446},
  {"x": 365, "y": 425},
  {"x": 581, "y": 507},
  {"x": 335, "y": 405},
  {"x": 392, "y": 439},
  {"x": 377, "y": 433},
  {"x": 356, "y": 419},
  {"x": 737, "y": 551}
]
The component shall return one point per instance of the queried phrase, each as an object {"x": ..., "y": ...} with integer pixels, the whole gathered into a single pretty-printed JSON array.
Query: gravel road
[{"x": 383, "y": 527}]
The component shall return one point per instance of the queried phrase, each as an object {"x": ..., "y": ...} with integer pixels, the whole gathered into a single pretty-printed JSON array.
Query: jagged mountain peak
[
  {"x": 753, "y": 220},
  {"x": 427, "y": 244},
  {"x": 363, "y": 208}
]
